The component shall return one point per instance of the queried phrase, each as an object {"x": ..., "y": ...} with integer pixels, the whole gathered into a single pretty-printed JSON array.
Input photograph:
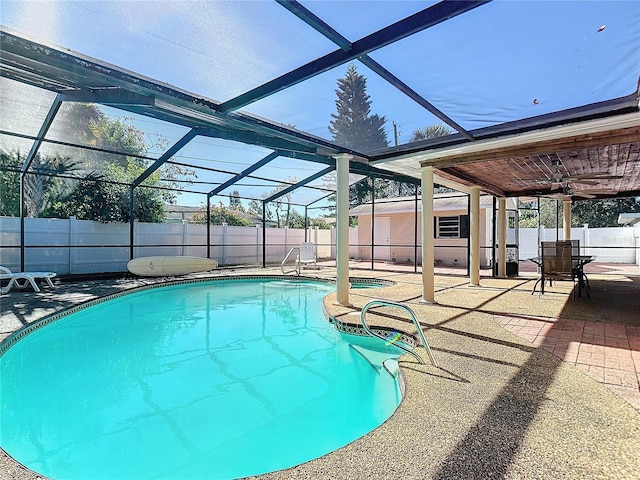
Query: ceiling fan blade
[
  {"x": 602, "y": 192},
  {"x": 586, "y": 182},
  {"x": 593, "y": 176},
  {"x": 556, "y": 194},
  {"x": 579, "y": 193}
]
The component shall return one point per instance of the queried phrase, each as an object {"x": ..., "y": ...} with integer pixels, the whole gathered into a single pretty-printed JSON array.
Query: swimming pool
[{"x": 218, "y": 379}]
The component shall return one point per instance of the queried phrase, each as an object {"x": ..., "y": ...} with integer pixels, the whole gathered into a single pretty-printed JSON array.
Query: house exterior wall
[{"x": 448, "y": 251}]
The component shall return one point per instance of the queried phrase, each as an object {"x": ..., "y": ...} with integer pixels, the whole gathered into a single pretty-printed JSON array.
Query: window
[
  {"x": 451, "y": 227},
  {"x": 448, "y": 227}
]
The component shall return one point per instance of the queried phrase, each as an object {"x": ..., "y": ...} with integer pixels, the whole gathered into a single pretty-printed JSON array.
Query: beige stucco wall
[{"x": 449, "y": 251}]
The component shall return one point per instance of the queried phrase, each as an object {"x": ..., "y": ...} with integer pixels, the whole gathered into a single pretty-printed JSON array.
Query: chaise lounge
[{"x": 21, "y": 279}]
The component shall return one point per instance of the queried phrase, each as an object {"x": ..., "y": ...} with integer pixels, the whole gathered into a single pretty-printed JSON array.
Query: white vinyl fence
[
  {"x": 609, "y": 245},
  {"x": 71, "y": 246}
]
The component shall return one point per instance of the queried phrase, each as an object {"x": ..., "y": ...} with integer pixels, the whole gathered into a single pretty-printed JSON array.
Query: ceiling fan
[
  {"x": 568, "y": 191},
  {"x": 564, "y": 186}
]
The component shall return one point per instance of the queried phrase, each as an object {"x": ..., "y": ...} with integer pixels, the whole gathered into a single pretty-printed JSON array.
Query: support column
[
  {"x": 502, "y": 238},
  {"x": 566, "y": 218},
  {"x": 428, "y": 242},
  {"x": 342, "y": 230},
  {"x": 23, "y": 213},
  {"x": 474, "y": 270},
  {"x": 131, "y": 222},
  {"x": 209, "y": 227}
]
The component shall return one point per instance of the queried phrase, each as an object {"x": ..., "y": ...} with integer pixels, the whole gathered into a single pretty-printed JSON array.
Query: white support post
[
  {"x": 502, "y": 237},
  {"x": 566, "y": 218},
  {"x": 342, "y": 227},
  {"x": 428, "y": 242},
  {"x": 474, "y": 267}
]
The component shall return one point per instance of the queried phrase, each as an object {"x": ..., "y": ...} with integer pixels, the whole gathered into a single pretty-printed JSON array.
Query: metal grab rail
[
  {"x": 297, "y": 265},
  {"x": 391, "y": 303}
]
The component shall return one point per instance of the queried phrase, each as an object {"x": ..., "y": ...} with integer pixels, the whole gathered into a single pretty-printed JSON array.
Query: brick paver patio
[{"x": 608, "y": 353}]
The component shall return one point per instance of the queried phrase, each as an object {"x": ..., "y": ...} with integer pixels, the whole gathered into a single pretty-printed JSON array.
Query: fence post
[
  {"x": 286, "y": 240},
  {"x": 72, "y": 243},
  {"x": 135, "y": 248},
  {"x": 257, "y": 243},
  {"x": 333, "y": 242},
  {"x": 587, "y": 240},
  {"x": 185, "y": 236},
  {"x": 224, "y": 243}
]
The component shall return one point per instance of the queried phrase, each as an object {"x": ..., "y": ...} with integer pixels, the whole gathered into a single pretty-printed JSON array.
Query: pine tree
[
  {"x": 353, "y": 126},
  {"x": 234, "y": 201}
]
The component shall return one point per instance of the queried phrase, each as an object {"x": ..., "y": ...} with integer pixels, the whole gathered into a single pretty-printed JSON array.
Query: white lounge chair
[
  {"x": 307, "y": 255},
  {"x": 21, "y": 279}
]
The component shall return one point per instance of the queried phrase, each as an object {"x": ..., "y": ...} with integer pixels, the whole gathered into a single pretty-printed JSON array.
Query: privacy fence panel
[
  {"x": 96, "y": 247},
  {"x": 608, "y": 245},
  {"x": 70, "y": 246}
]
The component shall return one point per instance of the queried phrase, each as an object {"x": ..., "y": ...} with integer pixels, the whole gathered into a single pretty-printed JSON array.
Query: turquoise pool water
[{"x": 221, "y": 379}]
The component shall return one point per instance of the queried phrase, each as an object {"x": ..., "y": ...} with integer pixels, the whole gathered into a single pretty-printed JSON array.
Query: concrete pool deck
[{"x": 501, "y": 404}]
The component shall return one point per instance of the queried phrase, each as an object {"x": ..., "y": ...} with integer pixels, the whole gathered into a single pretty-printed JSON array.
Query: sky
[{"x": 502, "y": 61}]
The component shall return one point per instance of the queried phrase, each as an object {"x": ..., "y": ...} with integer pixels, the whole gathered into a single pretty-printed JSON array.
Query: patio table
[{"x": 579, "y": 261}]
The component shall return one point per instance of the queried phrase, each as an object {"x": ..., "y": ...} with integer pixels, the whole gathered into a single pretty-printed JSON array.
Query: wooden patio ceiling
[
  {"x": 584, "y": 157},
  {"x": 600, "y": 165}
]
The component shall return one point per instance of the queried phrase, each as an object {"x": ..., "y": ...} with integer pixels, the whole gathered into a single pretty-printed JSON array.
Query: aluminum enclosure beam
[
  {"x": 415, "y": 23},
  {"x": 301, "y": 183},
  {"x": 190, "y": 135},
  {"x": 244, "y": 173},
  {"x": 44, "y": 128},
  {"x": 48, "y": 67},
  {"x": 316, "y": 23},
  {"x": 319, "y": 25},
  {"x": 108, "y": 96}
]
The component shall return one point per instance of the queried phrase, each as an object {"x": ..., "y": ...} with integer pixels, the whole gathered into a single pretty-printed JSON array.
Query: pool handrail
[
  {"x": 297, "y": 263},
  {"x": 391, "y": 303}
]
